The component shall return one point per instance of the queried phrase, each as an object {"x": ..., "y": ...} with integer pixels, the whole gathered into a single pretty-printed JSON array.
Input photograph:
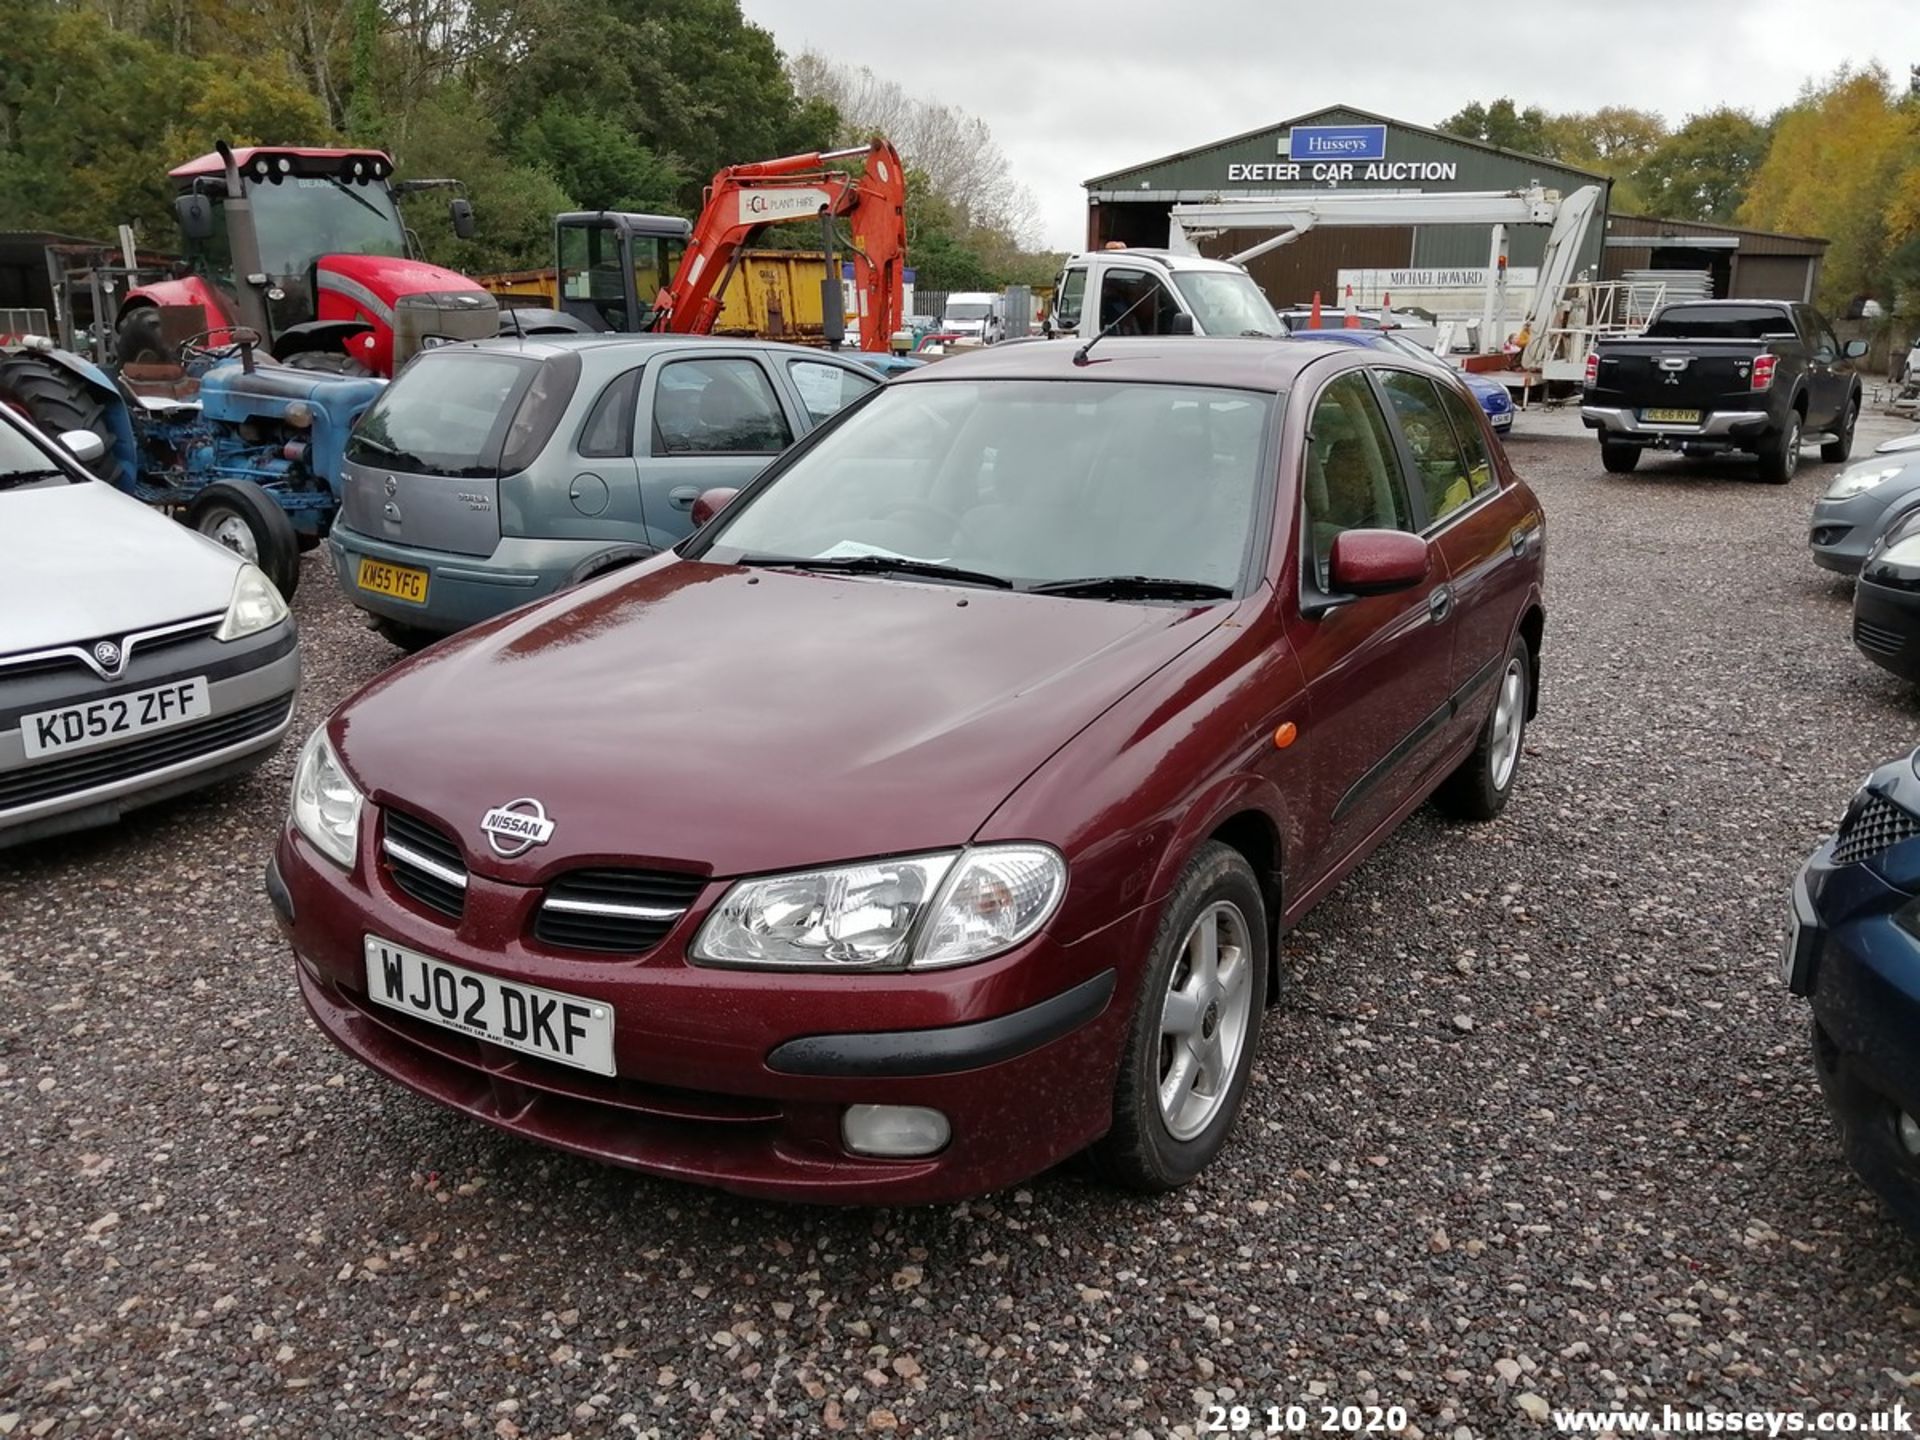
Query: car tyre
[
  {"x": 1837, "y": 450},
  {"x": 243, "y": 517},
  {"x": 1194, "y": 1030},
  {"x": 1480, "y": 787},
  {"x": 1780, "y": 452},
  {"x": 410, "y": 638},
  {"x": 1618, "y": 458}
]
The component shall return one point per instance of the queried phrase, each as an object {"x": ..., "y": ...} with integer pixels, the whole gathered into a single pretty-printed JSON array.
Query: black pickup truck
[{"x": 1709, "y": 376}]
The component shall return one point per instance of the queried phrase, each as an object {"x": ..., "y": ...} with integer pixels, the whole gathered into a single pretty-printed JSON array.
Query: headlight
[
  {"x": 326, "y": 804},
  {"x": 255, "y": 605},
  {"x": 915, "y": 911},
  {"x": 1860, "y": 479},
  {"x": 1901, "y": 552}
]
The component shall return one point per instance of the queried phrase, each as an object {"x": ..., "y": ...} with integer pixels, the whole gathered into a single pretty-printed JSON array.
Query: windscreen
[
  {"x": 967, "y": 310},
  {"x": 1719, "y": 322},
  {"x": 1225, "y": 303},
  {"x": 23, "y": 464},
  {"x": 1030, "y": 481},
  {"x": 448, "y": 414}
]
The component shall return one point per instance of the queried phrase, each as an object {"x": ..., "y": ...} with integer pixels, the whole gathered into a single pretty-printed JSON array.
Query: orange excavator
[{"x": 744, "y": 198}]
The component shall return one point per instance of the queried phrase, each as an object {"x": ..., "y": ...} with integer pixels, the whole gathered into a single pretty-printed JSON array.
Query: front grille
[
  {"x": 1877, "y": 825},
  {"x": 620, "y": 912},
  {"x": 1877, "y": 638},
  {"x": 51, "y": 779},
  {"x": 425, "y": 862},
  {"x": 138, "y": 646}
]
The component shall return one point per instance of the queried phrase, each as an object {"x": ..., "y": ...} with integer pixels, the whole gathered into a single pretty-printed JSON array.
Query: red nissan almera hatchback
[{"x": 932, "y": 813}]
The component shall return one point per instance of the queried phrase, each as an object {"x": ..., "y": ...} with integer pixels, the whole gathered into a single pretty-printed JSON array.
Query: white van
[
  {"x": 1143, "y": 291},
  {"x": 978, "y": 314}
]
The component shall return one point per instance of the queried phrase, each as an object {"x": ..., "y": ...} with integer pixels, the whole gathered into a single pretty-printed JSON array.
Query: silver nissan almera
[{"x": 138, "y": 659}]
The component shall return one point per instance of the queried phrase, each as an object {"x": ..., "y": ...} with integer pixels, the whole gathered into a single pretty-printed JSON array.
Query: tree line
[
  {"x": 1842, "y": 161},
  {"x": 537, "y": 105}
]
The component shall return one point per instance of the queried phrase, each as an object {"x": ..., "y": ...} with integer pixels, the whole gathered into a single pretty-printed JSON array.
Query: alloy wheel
[{"x": 1203, "y": 1020}]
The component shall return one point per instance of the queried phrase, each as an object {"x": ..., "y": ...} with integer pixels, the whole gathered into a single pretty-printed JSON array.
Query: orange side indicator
[{"x": 1285, "y": 735}]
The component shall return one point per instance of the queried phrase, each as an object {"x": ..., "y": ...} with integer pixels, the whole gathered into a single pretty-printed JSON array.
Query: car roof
[
  {"x": 1171, "y": 259},
  {"x": 211, "y": 163},
  {"x": 1243, "y": 364},
  {"x": 1371, "y": 339},
  {"x": 546, "y": 347}
]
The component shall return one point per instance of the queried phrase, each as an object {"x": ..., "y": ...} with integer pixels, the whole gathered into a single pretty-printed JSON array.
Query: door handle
[
  {"x": 1440, "y": 603},
  {"x": 1520, "y": 539},
  {"x": 681, "y": 497}
]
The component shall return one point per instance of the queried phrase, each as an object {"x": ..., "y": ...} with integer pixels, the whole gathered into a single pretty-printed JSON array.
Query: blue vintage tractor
[{"x": 245, "y": 450}]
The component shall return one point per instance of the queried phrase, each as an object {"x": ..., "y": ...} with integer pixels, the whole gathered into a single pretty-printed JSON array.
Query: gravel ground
[{"x": 1535, "y": 1119}]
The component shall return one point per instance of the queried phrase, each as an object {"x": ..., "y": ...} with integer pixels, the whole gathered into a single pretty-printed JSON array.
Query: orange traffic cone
[
  {"x": 1313, "y": 321},
  {"x": 1352, "y": 322}
]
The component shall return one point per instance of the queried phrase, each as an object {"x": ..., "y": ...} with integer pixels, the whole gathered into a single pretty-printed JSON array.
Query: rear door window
[
  {"x": 723, "y": 406},
  {"x": 826, "y": 390},
  {"x": 1443, "y": 470},
  {"x": 1465, "y": 415}
]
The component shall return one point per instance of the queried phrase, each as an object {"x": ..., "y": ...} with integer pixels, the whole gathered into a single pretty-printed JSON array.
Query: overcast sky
[{"x": 1074, "y": 90}]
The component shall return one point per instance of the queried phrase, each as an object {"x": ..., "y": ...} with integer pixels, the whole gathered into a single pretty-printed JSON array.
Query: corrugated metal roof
[
  {"x": 1752, "y": 242},
  {"x": 1344, "y": 112}
]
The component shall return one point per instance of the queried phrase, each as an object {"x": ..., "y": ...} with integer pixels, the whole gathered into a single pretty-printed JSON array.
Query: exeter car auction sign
[{"x": 1339, "y": 154}]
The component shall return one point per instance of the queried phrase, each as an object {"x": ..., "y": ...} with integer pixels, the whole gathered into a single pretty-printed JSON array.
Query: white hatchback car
[{"x": 138, "y": 659}]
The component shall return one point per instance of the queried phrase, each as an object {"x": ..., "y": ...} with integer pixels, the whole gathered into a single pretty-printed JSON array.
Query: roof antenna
[{"x": 1080, "y": 355}]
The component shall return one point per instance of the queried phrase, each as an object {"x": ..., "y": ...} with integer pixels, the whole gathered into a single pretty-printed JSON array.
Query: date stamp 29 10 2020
[{"x": 1315, "y": 1419}]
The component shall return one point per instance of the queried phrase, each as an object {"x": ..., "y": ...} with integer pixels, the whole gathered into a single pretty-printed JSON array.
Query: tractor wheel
[
  {"x": 330, "y": 362},
  {"x": 57, "y": 401},
  {"x": 243, "y": 517},
  {"x": 137, "y": 338}
]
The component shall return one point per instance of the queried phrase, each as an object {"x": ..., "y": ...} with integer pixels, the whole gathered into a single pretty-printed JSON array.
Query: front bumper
[
  {"x": 1862, "y": 970},
  {"x": 1840, "y": 532},
  {"x": 462, "y": 590},
  {"x": 736, "y": 1079},
  {"x": 251, "y": 686},
  {"x": 1717, "y": 428},
  {"x": 1886, "y": 628}
]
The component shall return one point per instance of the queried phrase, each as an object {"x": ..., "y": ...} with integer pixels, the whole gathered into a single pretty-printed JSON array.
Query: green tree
[
  {"x": 1703, "y": 170},
  {"x": 1502, "y": 123},
  {"x": 1838, "y": 167}
]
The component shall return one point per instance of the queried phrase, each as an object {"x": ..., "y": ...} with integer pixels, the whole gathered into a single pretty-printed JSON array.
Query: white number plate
[
  {"x": 102, "y": 722},
  {"x": 567, "y": 1028}
]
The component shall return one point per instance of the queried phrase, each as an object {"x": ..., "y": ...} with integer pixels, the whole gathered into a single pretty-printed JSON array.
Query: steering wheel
[{"x": 195, "y": 351}]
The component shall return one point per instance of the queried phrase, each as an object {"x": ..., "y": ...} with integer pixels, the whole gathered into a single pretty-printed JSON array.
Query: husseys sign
[{"x": 1333, "y": 154}]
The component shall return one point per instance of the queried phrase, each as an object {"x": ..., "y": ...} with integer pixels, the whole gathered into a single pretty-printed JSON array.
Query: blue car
[
  {"x": 885, "y": 366},
  {"x": 1853, "y": 950},
  {"x": 1491, "y": 394}
]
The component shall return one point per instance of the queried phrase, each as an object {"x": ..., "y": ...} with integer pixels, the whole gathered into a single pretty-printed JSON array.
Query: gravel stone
[{"x": 1619, "y": 1182}]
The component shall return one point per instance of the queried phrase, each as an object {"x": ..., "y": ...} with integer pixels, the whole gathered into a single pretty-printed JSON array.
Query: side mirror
[
  {"x": 460, "y": 210},
  {"x": 1855, "y": 349},
  {"x": 83, "y": 445},
  {"x": 1181, "y": 324},
  {"x": 711, "y": 502},
  {"x": 1376, "y": 562},
  {"x": 195, "y": 216}
]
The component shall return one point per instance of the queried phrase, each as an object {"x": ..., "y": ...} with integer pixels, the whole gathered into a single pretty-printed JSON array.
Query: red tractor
[{"x": 306, "y": 248}]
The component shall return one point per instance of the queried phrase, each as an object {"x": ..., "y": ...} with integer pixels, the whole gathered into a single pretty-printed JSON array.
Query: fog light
[
  {"x": 1910, "y": 1134},
  {"x": 894, "y": 1131}
]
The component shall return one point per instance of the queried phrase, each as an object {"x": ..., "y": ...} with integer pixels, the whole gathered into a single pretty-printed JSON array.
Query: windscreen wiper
[
  {"x": 360, "y": 200},
  {"x": 881, "y": 565},
  {"x": 1128, "y": 587},
  {"x": 20, "y": 477}
]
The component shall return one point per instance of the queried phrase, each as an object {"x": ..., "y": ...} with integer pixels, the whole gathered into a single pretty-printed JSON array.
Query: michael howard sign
[{"x": 1337, "y": 142}]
